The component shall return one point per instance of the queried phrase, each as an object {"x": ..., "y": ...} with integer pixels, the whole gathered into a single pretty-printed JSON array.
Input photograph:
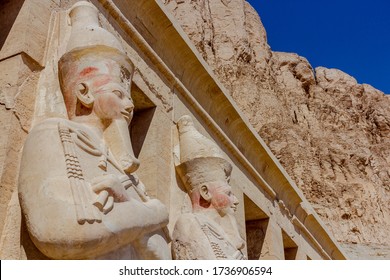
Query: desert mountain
[{"x": 330, "y": 133}]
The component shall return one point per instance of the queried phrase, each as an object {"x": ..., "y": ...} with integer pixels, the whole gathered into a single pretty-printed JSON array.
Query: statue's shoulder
[
  {"x": 49, "y": 125},
  {"x": 45, "y": 136},
  {"x": 186, "y": 225},
  {"x": 185, "y": 219},
  {"x": 189, "y": 240},
  {"x": 48, "y": 130}
]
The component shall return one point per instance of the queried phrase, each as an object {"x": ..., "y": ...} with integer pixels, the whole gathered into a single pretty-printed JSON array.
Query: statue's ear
[
  {"x": 205, "y": 194},
  {"x": 84, "y": 95}
]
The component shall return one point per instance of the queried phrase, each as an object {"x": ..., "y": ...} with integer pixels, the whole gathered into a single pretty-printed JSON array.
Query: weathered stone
[
  {"x": 328, "y": 131},
  {"x": 210, "y": 231},
  {"x": 170, "y": 80},
  {"x": 90, "y": 203}
]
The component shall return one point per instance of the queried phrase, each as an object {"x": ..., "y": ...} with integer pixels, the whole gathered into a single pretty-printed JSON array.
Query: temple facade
[{"x": 175, "y": 172}]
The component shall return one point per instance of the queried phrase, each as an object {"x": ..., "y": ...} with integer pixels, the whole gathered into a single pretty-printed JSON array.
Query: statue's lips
[{"x": 126, "y": 115}]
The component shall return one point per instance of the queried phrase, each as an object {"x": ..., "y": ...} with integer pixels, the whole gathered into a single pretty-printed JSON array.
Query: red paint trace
[{"x": 88, "y": 71}]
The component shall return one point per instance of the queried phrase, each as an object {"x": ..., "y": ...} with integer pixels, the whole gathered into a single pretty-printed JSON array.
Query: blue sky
[{"x": 353, "y": 36}]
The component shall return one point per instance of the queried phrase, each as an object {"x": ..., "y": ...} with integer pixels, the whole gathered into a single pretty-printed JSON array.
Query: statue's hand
[
  {"x": 161, "y": 212},
  {"x": 109, "y": 189}
]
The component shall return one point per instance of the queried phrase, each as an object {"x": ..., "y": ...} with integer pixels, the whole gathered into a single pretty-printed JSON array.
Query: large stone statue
[
  {"x": 79, "y": 194},
  {"x": 210, "y": 231}
]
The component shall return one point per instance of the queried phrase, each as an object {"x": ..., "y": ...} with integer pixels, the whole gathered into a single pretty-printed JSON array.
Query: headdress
[
  {"x": 201, "y": 160},
  {"x": 92, "y": 51}
]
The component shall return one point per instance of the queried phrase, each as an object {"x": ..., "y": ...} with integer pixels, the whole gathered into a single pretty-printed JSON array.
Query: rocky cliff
[{"x": 330, "y": 133}]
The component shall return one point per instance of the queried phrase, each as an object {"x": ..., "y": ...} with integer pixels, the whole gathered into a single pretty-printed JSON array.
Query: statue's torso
[{"x": 202, "y": 238}]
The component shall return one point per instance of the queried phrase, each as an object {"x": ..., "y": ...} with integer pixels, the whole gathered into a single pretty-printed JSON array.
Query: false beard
[{"x": 117, "y": 138}]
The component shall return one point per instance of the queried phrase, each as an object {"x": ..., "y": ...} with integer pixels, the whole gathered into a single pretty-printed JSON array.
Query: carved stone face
[
  {"x": 221, "y": 197},
  {"x": 97, "y": 80},
  {"x": 104, "y": 88},
  {"x": 112, "y": 101}
]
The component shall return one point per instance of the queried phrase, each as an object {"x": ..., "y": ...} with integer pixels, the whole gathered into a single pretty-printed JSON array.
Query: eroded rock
[{"x": 329, "y": 132}]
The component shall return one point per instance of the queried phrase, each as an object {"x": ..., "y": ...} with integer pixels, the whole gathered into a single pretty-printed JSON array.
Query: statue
[
  {"x": 210, "y": 231},
  {"x": 78, "y": 191}
]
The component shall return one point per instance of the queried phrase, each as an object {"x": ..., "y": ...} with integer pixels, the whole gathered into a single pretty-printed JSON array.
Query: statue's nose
[{"x": 129, "y": 105}]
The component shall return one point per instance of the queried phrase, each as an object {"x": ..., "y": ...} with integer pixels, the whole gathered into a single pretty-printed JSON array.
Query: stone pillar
[
  {"x": 301, "y": 255},
  {"x": 22, "y": 44},
  {"x": 273, "y": 242}
]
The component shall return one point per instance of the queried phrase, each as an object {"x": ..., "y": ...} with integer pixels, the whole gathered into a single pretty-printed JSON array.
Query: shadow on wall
[
  {"x": 143, "y": 116},
  {"x": 9, "y": 10}
]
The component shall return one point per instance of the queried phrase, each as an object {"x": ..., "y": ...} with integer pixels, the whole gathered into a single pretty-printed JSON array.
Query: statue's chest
[
  {"x": 219, "y": 243},
  {"x": 96, "y": 164},
  {"x": 88, "y": 157},
  {"x": 221, "y": 248}
]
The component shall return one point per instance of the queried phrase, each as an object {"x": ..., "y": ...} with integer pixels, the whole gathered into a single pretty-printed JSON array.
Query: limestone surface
[
  {"x": 210, "y": 231},
  {"x": 79, "y": 194},
  {"x": 329, "y": 132}
]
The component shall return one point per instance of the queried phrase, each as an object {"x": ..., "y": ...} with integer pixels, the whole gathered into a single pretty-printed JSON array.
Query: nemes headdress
[{"x": 201, "y": 160}]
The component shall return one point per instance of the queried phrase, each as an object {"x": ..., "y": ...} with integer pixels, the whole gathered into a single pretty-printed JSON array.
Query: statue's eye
[{"x": 118, "y": 93}]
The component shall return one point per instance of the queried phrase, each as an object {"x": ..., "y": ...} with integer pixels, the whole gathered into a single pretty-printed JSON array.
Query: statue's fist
[{"x": 109, "y": 189}]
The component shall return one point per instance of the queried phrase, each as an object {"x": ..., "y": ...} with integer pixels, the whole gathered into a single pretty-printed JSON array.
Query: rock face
[{"x": 330, "y": 133}]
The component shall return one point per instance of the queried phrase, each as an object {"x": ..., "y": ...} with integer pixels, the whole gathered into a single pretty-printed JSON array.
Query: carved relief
[
  {"x": 79, "y": 194},
  {"x": 210, "y": 231}
]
